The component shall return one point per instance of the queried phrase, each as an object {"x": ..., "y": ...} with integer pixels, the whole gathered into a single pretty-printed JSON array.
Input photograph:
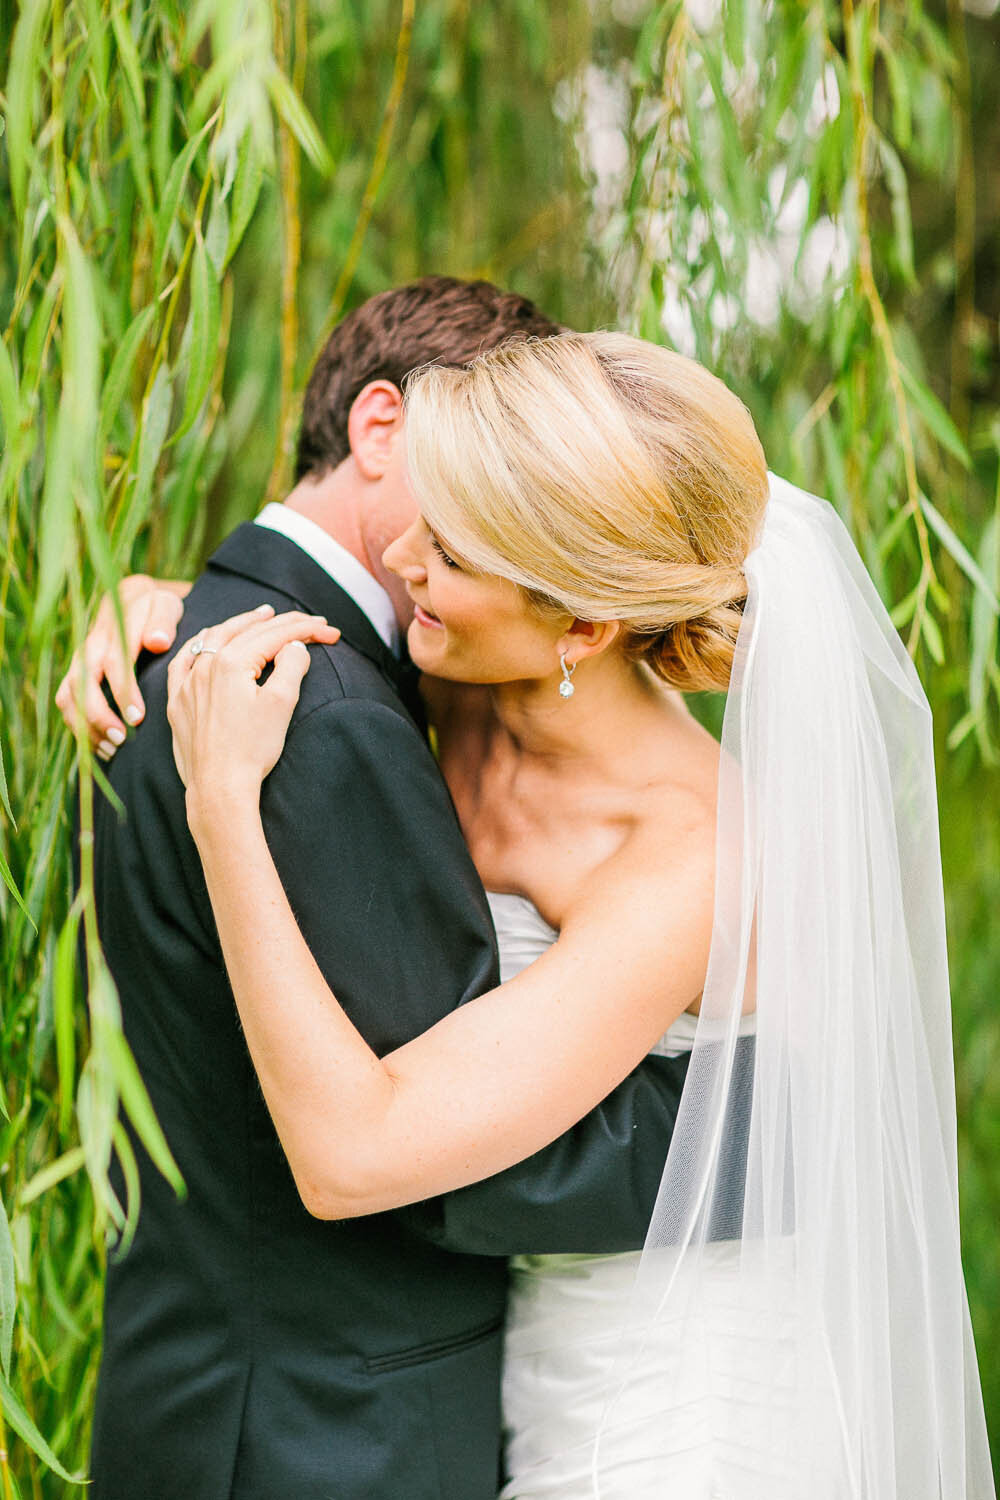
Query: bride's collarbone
[
  {"x": 546, "y": 831},
  {"x": 555, "y": 852}
]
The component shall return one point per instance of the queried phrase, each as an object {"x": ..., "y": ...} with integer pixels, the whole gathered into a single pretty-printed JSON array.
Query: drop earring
[{"x": 566, "y": 688}]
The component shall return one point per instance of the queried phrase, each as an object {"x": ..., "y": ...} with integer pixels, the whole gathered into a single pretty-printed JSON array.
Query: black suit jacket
[{"x": 252, "y": 1351}]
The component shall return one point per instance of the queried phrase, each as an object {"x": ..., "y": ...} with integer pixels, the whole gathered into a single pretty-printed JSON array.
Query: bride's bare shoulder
[
  {"x": 666, "y": 858},
  {"x": 682, "y": 767}
]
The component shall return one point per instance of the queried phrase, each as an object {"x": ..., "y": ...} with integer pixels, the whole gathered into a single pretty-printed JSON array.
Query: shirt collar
[{"x": 334, "y": 559}]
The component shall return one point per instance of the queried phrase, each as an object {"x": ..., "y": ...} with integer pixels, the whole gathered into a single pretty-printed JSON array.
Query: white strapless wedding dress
[{"x": 716, "y": 1426}]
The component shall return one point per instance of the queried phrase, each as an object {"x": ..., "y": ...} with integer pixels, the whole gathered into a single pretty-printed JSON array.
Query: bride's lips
[{"x": 430, "y": 622}]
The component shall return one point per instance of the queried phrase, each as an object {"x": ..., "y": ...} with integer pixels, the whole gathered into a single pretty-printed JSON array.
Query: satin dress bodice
[
  {"x": 566, "y": 1340},
  {"x": 523, "y": 935}
]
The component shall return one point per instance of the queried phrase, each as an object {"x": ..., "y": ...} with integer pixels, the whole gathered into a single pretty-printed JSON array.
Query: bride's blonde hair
[{"x": 610, "y": 478}]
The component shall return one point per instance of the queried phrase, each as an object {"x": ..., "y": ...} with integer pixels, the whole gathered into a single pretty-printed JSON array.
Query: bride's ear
[{"x": 586, "y": 638}]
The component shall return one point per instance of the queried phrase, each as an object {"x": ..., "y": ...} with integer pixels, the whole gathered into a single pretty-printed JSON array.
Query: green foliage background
[{"x": 802, "y": 195}]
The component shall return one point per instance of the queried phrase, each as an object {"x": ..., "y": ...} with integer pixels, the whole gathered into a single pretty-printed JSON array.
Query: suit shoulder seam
[{"x": 355, "y": 701}]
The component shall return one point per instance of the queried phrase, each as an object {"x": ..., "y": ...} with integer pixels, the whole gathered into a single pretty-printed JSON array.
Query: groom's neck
[{"x": 335, "y": 502}]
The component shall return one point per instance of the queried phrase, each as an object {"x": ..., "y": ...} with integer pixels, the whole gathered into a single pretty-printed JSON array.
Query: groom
[{"x": 252, "y": 1351}]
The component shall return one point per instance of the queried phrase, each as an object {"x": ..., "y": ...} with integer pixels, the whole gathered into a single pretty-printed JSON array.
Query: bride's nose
[{"x": 404, "y": 556}]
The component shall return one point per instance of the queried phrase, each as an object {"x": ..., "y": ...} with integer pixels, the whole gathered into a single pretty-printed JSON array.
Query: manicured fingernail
[
  {"x": 133, "y": 714},
  {"x": 116, "y": 736},
  {"x": 264, "y": 609},
  {"x": 108, "y": 749},
  {"x": 160, "y": 637}
]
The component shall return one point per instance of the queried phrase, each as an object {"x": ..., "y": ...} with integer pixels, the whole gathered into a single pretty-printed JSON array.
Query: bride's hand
[{"x": 228, "y": 731}]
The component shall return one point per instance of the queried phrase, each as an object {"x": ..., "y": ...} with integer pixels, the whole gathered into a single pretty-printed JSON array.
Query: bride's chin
[{"x": 422, "y": 653}]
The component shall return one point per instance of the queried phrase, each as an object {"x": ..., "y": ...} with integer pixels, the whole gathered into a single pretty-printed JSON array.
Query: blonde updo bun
[
  {"x": 610, "y": 478},
  {"x": 695, "y": 656}
]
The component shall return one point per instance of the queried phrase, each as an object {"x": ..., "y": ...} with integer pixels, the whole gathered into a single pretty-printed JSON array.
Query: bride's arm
[{"x": 496, "y": 1079}]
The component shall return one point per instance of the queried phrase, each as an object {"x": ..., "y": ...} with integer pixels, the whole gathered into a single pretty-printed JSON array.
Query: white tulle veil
[{"x": 819, "y": 1159}]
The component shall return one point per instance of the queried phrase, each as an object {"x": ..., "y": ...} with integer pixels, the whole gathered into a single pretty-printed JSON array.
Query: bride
[{"x": 598, "y": 534}]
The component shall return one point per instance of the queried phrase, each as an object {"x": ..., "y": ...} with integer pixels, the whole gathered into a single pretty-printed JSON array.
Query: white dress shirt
[{"x": 367, "y": 593}]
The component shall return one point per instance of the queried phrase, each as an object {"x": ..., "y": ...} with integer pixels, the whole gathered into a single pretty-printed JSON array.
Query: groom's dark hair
[{"x": 438, "y": 318}]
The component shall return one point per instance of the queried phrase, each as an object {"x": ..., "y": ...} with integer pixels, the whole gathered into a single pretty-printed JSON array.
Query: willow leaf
[
  {"x": 56, "y": 540},
  {"x": 155, "y": 422},
  {"x": 170, "y": 202},
  {"x": 932, "y": 637},
  {"x": 96, "y": 1111},
  {"x": 203, "y": 329},
  {"x": 8, "y": 1291},
  {"x": 961, "y": 731},
  {"x": 56, "y": 1171},
  {"x": 11, "y": 884},
  {"x": 934, "y": 415},
  {"x": 983, "y": 637},
  {"x": 161, "y": 124},
  {"x": 130, "y": 1175},
  {"x": 128, "y": 56},
  {"x": 217, "y": 234},
  {"x": 899, "y": 91},
  {"x": 299, "y": 121},
  {"x": 742, "y": 205},
  {"x": 903, "y": 611},
  {"x": 245, "y": 193},
  {"x": 138, "y": 150},
  {"x": 734, "y": 25},
  {"x": 81, "y": 357},
  {"x": 9, "y": 404},
  {"x": 894, "y": 531},
  {"x": 138, "y": 1106},
  {"x": 959, "y": 552},
  {"x": 98, "y": 52},
  {"x": 5, "y": 792},
  {"x": 64, "y": 1013},
  {"x": 219, "y": 76},
  {"x": 899, "y": 200},
  {"x": 120, "y": 374},
  {"x": 25, "y": 1428},
  {"x": 22, "y": 73}
]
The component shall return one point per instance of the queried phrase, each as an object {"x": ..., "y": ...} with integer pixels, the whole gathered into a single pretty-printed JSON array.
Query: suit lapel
[{"x": 274, "y": 561}]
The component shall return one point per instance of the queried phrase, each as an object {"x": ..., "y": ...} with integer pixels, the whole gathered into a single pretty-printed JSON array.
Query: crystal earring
[{"x": 566, "y": 688}]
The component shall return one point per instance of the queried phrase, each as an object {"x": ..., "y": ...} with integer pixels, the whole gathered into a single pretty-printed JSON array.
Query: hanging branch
[
  {"x": 862, "y": 124},
  {"x": 379, "y": 163},
  {"x": 290, "y": 157}
]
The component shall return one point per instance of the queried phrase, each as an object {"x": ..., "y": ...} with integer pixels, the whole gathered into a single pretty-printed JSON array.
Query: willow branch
[
  {"x": 880, "y": 321},
  {"x": 175, "y": 290},
  {"x": 379, "y": 162},
  {"x": 8, "y": 1493},
  {"x": 290, "y": 156},
  {"x": 965, "y": 221}
]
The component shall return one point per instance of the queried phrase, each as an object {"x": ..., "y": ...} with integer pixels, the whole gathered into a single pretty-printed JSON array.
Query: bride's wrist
[{"x": 220, "y": 810}]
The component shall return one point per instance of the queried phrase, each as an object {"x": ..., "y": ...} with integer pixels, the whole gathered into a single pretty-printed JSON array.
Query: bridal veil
[{"x": 821, "y": 1158}]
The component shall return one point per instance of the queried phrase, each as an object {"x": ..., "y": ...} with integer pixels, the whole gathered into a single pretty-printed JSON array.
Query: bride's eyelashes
[{"x": 445, "y": 557}]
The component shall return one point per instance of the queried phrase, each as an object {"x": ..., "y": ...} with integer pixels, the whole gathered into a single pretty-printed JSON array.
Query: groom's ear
[{"x": 373, "y": 423}]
